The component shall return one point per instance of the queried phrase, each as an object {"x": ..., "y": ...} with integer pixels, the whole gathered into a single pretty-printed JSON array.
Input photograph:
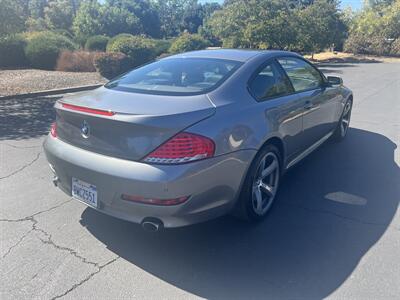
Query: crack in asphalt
[
  {"x": 49, "y": 241},
  {"x": 29, "y": 218},
  {"x": 23, "y": 167},
  {"x": 17, "y": 243},
  {"x": 32, "y": 219},
  {"x": 90, "y": 276}
]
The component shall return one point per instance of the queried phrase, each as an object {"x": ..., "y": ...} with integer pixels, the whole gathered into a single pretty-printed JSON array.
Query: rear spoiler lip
[{"x": 88, "y": 110}]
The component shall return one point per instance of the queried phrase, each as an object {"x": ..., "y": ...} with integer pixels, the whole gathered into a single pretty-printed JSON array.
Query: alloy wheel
[
  {"x": 265, "y": 183},
  {"x": 345, "y": 122}
]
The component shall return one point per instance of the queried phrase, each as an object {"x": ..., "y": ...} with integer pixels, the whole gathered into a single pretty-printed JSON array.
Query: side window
[
  {"x": 302, "y": 75},
  {"x": 269, "y": 83}
]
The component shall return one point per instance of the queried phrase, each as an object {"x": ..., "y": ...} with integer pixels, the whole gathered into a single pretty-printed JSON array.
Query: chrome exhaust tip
[{"x": 152, "y": 224}]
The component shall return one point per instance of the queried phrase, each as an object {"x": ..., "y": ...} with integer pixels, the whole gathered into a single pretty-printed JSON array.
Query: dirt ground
[{"x": 342, "y": 57}]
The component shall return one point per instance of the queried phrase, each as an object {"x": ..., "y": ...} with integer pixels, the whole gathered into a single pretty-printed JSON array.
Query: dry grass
[
  {"x": 350, "y": 58},
  {"x": 76, "y": 61}
]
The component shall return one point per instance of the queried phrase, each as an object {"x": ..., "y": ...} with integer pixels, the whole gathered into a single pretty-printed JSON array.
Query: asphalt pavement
[{"x": 334, "y": 231}]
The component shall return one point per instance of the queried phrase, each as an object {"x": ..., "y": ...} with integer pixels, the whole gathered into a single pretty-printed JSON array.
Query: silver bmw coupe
[{"x": 194, "y": 136}]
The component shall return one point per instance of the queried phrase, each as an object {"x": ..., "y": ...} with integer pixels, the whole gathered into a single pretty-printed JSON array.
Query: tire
[
  {"x": 250, "y": 206},
  {"x": 344, "y": 122}
]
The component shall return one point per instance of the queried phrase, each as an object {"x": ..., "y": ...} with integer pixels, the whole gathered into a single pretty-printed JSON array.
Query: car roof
[{"x": 241, "y": 55}]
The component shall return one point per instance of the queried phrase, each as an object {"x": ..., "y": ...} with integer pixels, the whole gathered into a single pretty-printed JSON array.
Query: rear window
[{"x": 176, "y": 76}]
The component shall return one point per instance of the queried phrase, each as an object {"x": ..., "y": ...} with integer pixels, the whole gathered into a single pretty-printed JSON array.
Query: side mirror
[{"x": 334, "y": 80}]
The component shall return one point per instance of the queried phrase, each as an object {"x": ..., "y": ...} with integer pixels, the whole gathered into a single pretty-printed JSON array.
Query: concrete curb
[{"x": 52, "y": 92}]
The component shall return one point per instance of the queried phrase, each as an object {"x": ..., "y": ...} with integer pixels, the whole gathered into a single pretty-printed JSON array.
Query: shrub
[
  {"x": 118, "y": 37},
  {"x": 356, "y": 43},
  {"x": 363, "y": 44},
  {"x": 162, "y": 46},
  {"x": 188, "y": 42},
  {"x": 29, "y": 35},
  {"x": 395, "y": 48},
  {"x": 96, "y": 43},
  {"x": 76, "y": 61},
  {"x": 12, "y": 52},
  {"x": 43, "y": 49},
  {"x": 139, "y": 50},
  {"x": 110, "y": 65},
  {"x": 164, "y": 55},
  {"x": 64, "y": 32}
]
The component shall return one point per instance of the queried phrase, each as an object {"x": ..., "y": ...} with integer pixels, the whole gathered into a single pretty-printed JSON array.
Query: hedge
[
  {"x": 139, "y": 49},
  {"x": 375, "y": 45},
  {"x": 76, "y": 61},
  {"x": 118, "y": 37},
  {"x": 12, "y": 54},
  {"x": 188, "y": 42},
  {"x": 110, "y": 65},
  {"x": 43, "y": 49},
  {"x": 162, "y": 46},
  {"x": 97, "y": 43}
]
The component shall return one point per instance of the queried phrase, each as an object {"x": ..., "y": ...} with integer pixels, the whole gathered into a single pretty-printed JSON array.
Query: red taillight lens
[
  {"x": 53, "y": 129},
  {"x": 88, "y": 110},
  {"x": 155, "y": 201},
  {"x": 182, "y": 148}
]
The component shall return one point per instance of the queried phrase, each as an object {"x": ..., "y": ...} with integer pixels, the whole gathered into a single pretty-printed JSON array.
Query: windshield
[{"x": 176, "y": 76}]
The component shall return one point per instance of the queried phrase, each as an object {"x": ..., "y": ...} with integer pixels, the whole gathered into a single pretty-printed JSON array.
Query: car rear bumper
[{"x": 212, "y": 184}]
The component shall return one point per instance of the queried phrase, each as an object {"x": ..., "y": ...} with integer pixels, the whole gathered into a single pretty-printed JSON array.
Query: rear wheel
[
  {"x": 261, "y": 184},
  {"x": 344, "y": 123}
]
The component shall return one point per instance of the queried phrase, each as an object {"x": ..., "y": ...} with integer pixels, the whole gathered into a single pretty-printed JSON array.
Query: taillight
[
  {"x": 183, "y": 147},
  {"x": 53, "y": 129}
]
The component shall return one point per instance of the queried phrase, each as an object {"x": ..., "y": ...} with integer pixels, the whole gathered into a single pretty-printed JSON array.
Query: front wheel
[
  {"x": 344, "y": 123},
  {"x": 261, "y": 184}
]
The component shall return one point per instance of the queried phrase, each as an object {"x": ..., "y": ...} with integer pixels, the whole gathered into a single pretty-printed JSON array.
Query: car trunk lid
[{"x": 126, "y": 125}]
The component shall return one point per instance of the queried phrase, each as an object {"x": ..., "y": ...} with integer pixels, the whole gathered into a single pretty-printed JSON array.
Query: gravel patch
[{"x": 13, "y": 82}]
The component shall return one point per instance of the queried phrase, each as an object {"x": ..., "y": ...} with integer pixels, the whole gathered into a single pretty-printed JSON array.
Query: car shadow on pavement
[
  {"x": 26, "y": 118},
  {"x": 331, "y": 209}
]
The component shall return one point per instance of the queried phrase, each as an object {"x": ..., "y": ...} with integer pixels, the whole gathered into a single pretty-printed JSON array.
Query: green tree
[
  {"x": 209, "y": 9},
  {"x": 378, "y": 3},
  {"x": 88, "y": 20},
  {"x": 171, "y": 15},
  {"x": 319, "y": 26},
  {"x": 36, "y": 24},
  {"x": 59, "y": 14},
  {"x": 376, "y": 30},
  {"x": 115, "y": 20},
  {"x": 230, "y": 23},
  {"x": 36, "y": 8},
  {"x": 282, "y": 24},
  {"x": 254, "y": 24},
  {"x": 145, "y": 11},
  {"x": 192, "y": 17},
  {"x": 11, "y": 16}
]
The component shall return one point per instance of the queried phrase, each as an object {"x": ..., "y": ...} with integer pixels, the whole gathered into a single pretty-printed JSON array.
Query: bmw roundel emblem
[{"x": 85, "y": 130}]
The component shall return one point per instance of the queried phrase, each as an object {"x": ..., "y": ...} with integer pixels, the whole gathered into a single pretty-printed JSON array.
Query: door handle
[{"x": 308, "y": 105}]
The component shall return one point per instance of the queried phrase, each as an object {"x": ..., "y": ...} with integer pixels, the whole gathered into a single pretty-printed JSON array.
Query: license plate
[{"x": 84, "y": 192}]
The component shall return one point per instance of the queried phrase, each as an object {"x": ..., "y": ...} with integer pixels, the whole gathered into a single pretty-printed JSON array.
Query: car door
[
  {"x": 281, "y": 107},
  {"x": 319, "y": 100}
]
